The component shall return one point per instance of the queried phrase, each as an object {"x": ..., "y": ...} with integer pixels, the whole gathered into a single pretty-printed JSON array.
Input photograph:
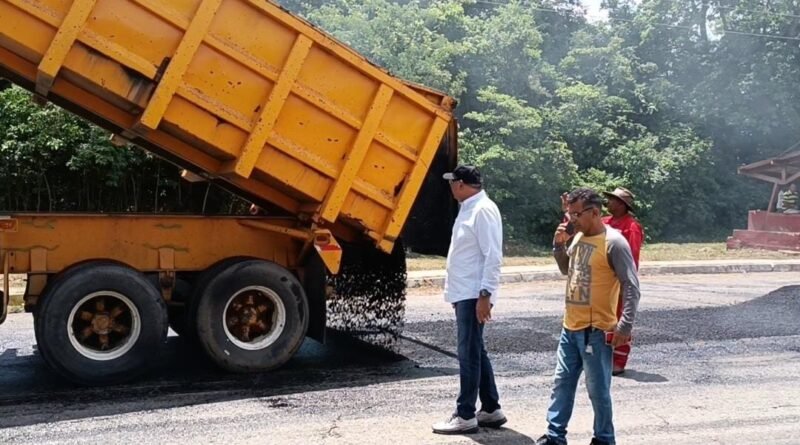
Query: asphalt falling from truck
[{"x": 366, "y": 300}]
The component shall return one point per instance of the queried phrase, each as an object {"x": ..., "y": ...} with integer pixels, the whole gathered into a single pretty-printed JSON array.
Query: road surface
[{"x": 716, "y": 360}]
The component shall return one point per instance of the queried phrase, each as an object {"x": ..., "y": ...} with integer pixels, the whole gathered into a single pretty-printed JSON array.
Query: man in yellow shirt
[{"x": 598, "y": 263}]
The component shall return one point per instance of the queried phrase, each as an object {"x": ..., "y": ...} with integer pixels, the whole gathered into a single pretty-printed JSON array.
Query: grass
[
  {"x": 537, "y": 256},
  {"x": 708, "y": 251}
]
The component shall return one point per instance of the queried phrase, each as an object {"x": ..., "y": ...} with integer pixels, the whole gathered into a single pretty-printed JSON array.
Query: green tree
[
  {"x": 405, "y": 38},
  {"x": 525, "y": 173}
]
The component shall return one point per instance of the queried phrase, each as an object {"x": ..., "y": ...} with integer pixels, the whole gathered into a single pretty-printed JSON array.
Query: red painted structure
[{"x": 767, "y": 229}]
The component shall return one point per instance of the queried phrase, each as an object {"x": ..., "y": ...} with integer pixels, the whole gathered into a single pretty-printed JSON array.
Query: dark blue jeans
[{"x": 477, "y": 376}]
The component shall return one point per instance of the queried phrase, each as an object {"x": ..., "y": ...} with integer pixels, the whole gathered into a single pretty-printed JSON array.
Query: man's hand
[
  {"x": 620, "y": 339},
  {"x": 484, "y": 309},
  {"x": 561, "y": 236}
]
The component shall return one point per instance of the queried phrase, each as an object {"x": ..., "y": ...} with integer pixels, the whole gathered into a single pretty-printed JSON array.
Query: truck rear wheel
[
  {"x": 251, "y": 317},
  {"x": 101, "y": 324},
  {"x": 196, "y": 294}
]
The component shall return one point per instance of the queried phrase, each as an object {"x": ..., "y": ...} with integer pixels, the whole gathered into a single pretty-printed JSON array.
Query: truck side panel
[
  {"x": 42, "y": 245},
  {"x": 194, "y": 241}
]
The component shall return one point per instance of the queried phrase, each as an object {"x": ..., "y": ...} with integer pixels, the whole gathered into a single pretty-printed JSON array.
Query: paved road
[{"x": 716, "y": 361}]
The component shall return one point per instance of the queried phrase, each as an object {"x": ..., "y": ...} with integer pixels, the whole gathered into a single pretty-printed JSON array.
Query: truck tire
[
  {"x": 252, "y": 317},
  {"x": 52, "y": 285},
  {"x": 199, "y": 286},
  {"x": 101, "y": 324}
]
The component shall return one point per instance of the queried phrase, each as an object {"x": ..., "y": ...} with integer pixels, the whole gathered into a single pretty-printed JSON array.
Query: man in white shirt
[{"x": 473, "y": 279}]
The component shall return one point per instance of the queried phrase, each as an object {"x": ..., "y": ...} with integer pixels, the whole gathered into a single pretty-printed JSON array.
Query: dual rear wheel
[
  {"x": 253, "y": 316},
  {"x": 102, "y": 323}
]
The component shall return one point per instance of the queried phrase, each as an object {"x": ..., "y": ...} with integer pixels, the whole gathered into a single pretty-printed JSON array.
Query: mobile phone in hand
[{"x": 570, "y": 229}]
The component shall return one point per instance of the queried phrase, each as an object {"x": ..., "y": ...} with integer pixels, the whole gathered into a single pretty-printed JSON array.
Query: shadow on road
[
  {"x": 31, "y": 394},
  {"x": 642, "y": 377},
  {"x": 502, "y": 436}
]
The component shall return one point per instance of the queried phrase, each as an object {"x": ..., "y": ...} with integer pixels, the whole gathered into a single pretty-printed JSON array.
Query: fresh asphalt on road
[{"x": 716, "y": 360}]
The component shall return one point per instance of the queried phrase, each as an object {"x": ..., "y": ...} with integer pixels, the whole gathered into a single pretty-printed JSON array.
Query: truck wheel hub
[
  {"x": 254, "y": 318},
  {"x": 104, "y": 325}
]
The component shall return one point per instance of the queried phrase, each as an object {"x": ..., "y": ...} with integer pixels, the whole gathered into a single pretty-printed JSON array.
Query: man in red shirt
[{"x": 620, "y": 205}]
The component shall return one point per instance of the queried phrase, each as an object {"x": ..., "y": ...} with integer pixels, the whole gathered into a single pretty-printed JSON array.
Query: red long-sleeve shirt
[{"x": 631, "y": 230}]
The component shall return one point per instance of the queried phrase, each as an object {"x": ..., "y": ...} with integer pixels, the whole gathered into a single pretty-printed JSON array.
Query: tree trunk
[
  {"x": 49, "y": 193},
  {"x": 124, "y": 202},
  {"x": 723, "y": 11},
  {"x": 135, "y": 194},
  {"x": 158, "y": 179},
  {"x": 39, "y": 194},
  {"x": 704, "y": 22},
  {"x": 205, "y": 198},
  {"x": 88, "y": 194}
]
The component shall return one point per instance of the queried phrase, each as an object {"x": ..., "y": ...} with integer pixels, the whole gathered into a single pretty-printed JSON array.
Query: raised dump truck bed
[
  {"x": 243, "y": 93},
  {"x": 239, "y": 91}
]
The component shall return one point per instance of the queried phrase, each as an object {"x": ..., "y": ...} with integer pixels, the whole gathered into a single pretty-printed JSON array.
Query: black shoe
[
  {"x": 618, "y": 371},
  {"x": 598, "y": 442},
  {"x": 546, "y": 440}
]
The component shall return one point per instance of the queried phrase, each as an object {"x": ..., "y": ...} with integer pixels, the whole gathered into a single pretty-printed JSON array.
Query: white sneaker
[
  {"x": 491, "y": 420},
  {"x": 456, "y": 425}
]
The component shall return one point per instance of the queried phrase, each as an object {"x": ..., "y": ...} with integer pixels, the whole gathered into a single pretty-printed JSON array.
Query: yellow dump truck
[{"x": 244, "y": 94}]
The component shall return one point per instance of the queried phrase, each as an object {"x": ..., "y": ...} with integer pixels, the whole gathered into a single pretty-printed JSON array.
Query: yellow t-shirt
[{"x": 592, "y": 285}]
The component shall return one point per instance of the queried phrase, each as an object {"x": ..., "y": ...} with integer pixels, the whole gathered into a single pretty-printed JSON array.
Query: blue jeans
[
  {"x": 477, "y": 376},
  {"x": 573, "y": 358}
]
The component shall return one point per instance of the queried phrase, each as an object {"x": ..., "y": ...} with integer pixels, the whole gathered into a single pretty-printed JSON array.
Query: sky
[{"x": 593, "y": 10}]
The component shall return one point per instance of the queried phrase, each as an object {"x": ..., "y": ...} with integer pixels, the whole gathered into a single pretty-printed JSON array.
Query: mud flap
[
  {"x": 4, "y": 307},
  {"x": 315, "y": 279},
  {"x": 5, "y": 293}
]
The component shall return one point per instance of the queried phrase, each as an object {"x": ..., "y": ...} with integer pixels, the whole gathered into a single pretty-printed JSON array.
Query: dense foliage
[
  {"x": 664, "y": 97},
  {"x": 52, "y": 160}
]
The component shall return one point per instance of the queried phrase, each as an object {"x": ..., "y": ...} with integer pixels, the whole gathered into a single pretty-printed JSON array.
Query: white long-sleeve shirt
[{"x": 476, "y": 250}]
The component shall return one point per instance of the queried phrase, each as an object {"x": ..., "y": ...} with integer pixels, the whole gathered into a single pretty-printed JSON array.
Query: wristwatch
[{"x": 485, "y": 293}]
